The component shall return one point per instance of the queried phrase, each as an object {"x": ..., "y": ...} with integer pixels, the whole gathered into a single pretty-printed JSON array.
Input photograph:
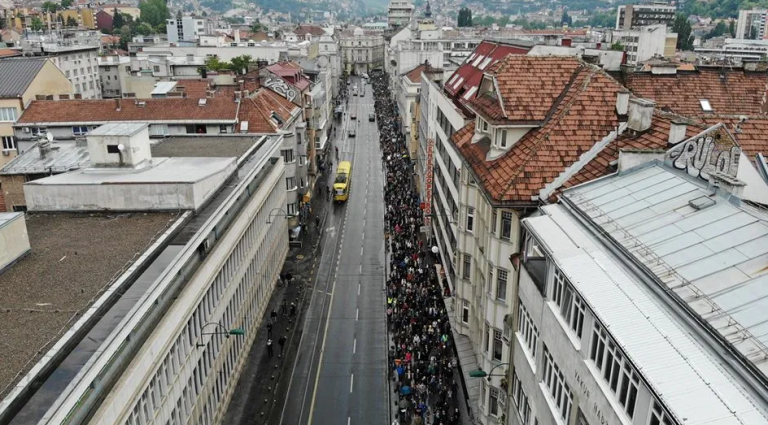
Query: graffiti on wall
[
  {"x": 706, "y": 153},
  {"x": 428, "y": 175},
  {"x": 281, "y": 87}
]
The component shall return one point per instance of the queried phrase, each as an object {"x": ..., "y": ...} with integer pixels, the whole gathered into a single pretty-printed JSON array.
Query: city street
[{"x": 339, "y": 375}]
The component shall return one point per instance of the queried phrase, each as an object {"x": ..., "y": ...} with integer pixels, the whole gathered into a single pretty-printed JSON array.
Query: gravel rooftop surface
[
  {"x": 73, "y": 258},
  {"x": 219, "y": 146}
]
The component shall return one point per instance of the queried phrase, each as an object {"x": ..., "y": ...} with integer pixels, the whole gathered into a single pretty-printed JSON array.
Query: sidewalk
[{"x": 259, "y": 393}]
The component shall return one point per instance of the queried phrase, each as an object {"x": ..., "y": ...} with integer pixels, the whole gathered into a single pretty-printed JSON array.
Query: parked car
[
  {"x": 353, "y": 116},
  {"x": 351, "y": 132},
  {"x": 371, "y": 117}
]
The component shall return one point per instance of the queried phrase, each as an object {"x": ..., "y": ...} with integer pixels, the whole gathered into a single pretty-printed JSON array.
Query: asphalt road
[{"x": 340, "y": 372}]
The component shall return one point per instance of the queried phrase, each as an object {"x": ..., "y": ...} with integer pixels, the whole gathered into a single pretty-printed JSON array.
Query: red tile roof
[
  {"x": 654, "y": 139},
  {"x": 751, "y": 135},
  {"x": 102, "y": 110},
  {"x": 7, "y": 53},
  {"x": 257, "y": 110},
  {"x": 309, "y": 29},
  {"x": 584, "y": 116},
  {"x": 471, "y": 75},
  {"x": 526, "y": 95},
  {"x": 291, "y": 72},
  {"x": 415, "y": 74},
  {"x": 738, "y": 92}
]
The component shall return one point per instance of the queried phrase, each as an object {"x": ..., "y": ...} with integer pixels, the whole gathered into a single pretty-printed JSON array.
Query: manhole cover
[{"x": 299, "y": 257}]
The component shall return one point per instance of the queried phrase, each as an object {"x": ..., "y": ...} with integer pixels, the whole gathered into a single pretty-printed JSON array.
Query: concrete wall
[
  {"x": 225, "y": 53},
  {"x": 13, "y": 190},
  {"x": 14, "y": 240}
]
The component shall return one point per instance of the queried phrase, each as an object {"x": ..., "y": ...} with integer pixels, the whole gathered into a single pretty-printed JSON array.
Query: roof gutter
[{"x": 757, "y": 382}]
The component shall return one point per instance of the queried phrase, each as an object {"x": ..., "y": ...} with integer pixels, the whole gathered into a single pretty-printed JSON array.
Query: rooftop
[
  {"x": 414, "y": 75},
  {"x": 73, "y": 259},
  {"x": 62, "y": 157},
  {"x": 257, "y": 111},
  {"x": 18, "y": 74},
  {"x": 707, "y": 251},
  {"x": 685, "y": 375},
  {"x": 149, "y": 110},
  {"x": 583, "y": 115},
  {"x": 732, "y": 92},
  {"x": 209, "y": 146}
]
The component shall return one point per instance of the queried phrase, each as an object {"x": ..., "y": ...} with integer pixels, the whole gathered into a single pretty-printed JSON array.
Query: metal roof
[
  {"x": 118, "y": 129},
  {"x": 685, "y": 375},
  {"x": 18, "y": 74},
  {"x": 63, "y": 157},
  {"x": 163, "y": 87},
  {"x": 713, "y": 257}
]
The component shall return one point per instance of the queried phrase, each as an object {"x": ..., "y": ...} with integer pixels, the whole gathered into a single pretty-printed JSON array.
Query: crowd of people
[{"x": 421, "y": 356}]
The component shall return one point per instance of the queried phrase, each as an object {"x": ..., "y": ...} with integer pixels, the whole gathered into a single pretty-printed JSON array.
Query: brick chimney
[
  {"x": 677, "y": 131},
  {"x": 622, "y": 102},
  {"x": 117, "y": 104},
  {"x": 640, "y": 114}
]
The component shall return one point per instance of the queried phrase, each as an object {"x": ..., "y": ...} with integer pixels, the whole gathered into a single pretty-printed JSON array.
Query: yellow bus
[{"x": 342, "y": 182}]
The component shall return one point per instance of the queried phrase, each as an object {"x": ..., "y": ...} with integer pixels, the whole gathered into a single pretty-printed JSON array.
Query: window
[
  {"x": 223, "y": 129},
  {"x": 8, "y": 114},
  {"x": 558, "y": 388},
  {"x": 487, "y": 337},
  {"x": 615, "y": 369},
  {"x": 506, "y": 225},
  {"x": 501, "y": 138},
  {"x": 490, "y": 279},
  {"x": 659, "y": 416},
  {"x": 9, "y": 143},
  {"x": 290, "y": 183},
  {"x": 467, "y": 266},
  {"x": 470, "y": 219},
  {"x": 572, "y": 306},
  {"x": 528, "y": 331},
  {"x": 79, "y": 130},
  {"x": 521, "y": 400},
  {"x": 501, "y": 284},
  {"x": 498, "y": 345},
  {"x": 156, "y": 68},
  {"x": 39, "y": 131},
  {"x": 493, "y": 222},
  {"x": 465, "y": 312},
  {"x": 493, "y": 402},
  {"x": 705, "y": 105},
  {"x": 287, "y": 155}
]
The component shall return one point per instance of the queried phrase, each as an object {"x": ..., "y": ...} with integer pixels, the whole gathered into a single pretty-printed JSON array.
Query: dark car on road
[
  {"x": 371, "y": 117},
  {"x": 351, "y": 132},
  {"x": 353, "y": 116}
]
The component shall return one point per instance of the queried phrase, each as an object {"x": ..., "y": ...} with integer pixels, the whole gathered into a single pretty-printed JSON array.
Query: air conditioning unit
[
  {"x": 6, "y": 153},
  {"x": 26, "y": 129}
]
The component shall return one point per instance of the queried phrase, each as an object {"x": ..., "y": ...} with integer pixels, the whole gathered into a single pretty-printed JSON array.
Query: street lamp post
[
  {"x": 273, "y": 214},
  {"x": 224, "y": 331},
  {"x": 480, "y": 373}
]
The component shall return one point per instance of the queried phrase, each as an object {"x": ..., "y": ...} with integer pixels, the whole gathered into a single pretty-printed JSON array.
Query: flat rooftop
[
  {"x": 204, "y": 146},
  {"x": 74, "y": 257}
]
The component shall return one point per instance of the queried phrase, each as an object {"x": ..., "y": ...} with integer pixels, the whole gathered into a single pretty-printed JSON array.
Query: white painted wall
[{"x": 14, "y": 240}]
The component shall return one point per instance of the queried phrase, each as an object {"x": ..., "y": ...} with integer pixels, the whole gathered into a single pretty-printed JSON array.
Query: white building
[
  {"x": 362, "y": 51},
  {"x": 640, "y": 15},
  {"x": 75, "y": 53},
  {"x": 606, "y": 333},
  {"x": 736, "y": 49},
  {"x": 185, "y": 29},
  {"x": 752, "y": 24},
  {"x": 643, "y": 43},
  {"x": 399, "y": 13}
]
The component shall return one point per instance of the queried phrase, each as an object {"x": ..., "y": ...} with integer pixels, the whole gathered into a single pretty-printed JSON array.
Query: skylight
[
  {"x": 470, "y": 92},
  {"x": 477, "y": 61},
  {"x": 705, "y": 106},
  {"x": 458, "y": 83},
  {"x": 485, "y": 62}
]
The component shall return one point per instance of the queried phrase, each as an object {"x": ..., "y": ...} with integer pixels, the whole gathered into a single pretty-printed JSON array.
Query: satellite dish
[
  {"x": 49, "y": 136},
  {"x": 121, "y": 147}
]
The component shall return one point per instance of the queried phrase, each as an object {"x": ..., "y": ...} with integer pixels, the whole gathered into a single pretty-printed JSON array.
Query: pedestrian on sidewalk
[
  {"x": 282, "y": 341},
  {"x": 285, "y": 308},
  {"x": 317, "y": 223},
  {"x": 269, "y": 330},
  {"x": 274, "y": 316},
  {"x": 269, "y": 348},
  {"x": 293, "y": 309}
]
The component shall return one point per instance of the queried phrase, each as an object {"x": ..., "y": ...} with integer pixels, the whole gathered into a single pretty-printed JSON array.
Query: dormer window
[
  {"x": 482, "y": 125},
  {"x": 501, "y": 138}
]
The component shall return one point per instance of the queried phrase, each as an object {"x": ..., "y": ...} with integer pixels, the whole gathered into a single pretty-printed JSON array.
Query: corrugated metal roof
[
  {"x": 683, "y": 374},
  {"x": 18, "y": 75},
  {"x": 715, "y": 259},
  {"x": 163, "y": 87},
  {"x": 63, "y": 157}
]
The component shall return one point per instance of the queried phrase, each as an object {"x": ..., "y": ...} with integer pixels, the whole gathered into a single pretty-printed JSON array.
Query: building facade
[
  {"x": 399, "y": 13},
  {"x": 362, "y": 51},
  {"x": 185, "y": 29},
  {"x": 644, "y": 43},
  {"x": 751, "y": 24},
  {"x": 640, "y": 15}
]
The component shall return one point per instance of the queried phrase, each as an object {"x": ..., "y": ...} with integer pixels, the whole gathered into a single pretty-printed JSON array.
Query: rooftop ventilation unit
[{"x": 701, "y": 202}]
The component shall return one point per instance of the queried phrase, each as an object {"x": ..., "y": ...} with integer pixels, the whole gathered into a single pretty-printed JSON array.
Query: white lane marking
[
  {"x": 354, "y": 347},
  {"x": 360, "y": 271},
  {"x": 361, "y": 250},
  {"x": 351, "y": 382},
  {"x": 349, "y": 420},
  {"x": 359, "y": 285},
  {"x": 357, "y": 314}
]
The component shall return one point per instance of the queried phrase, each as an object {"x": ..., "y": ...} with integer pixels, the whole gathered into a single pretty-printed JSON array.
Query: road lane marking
[
  {"x": 360, "y": 271},
  {"x": 361, "y": 250},
  {"x": 351, "y": 382},
  {"x": 358, "y": 288},
  {"x": 354, "y": 346},
  {"x": 349, "y": 420},
  {"x": 357, "y": 314}
]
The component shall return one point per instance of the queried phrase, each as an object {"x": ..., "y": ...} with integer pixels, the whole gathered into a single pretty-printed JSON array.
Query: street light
[
  {"x": 224, "y": 331},
  {"x": 480, "y": 373},
  {"x": 272, "y": 214}
]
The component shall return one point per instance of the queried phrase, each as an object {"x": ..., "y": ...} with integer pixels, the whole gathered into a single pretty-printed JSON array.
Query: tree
[
  {"x": 240, "y": 63},
  {"x": 125, "y": 37},
  {"x": 465, "y": 17},
  {"x": 117, "y": 19},
  {"x": 617, "y": 46},
  {"x": 214, "y": 64},
  {"x": 566, "y": 19},
  {"x": 154, "y": 12},
  {"x": 50, "y": 7},
  {"x": 682, "y": 27},
  {"x": 144, "y": 29},
  {"x": 36, "y": 24},
  {"x": 71, "y": 22},
  {"x": 66, "y": 4},
  {"x": 717, "y": 31},
  {"x": 731, "y": 29}
]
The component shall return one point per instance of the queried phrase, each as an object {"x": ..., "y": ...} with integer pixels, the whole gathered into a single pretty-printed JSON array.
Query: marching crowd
[{"x": 421, "y": 355}]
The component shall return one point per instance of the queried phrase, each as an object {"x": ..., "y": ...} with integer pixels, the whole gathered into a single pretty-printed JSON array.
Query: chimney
[
  {"x": 640, "y": 114},
  {"x": 117, "y": 104},
  {"x": 44, "y": 146},
  {"x": 566, "y": 42},
  {"x": 725, "y": 185},
  {"x": 676, "y": 132},
  {"x": 237, "y": 36},
  {"x": 622, "y": 102}
]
